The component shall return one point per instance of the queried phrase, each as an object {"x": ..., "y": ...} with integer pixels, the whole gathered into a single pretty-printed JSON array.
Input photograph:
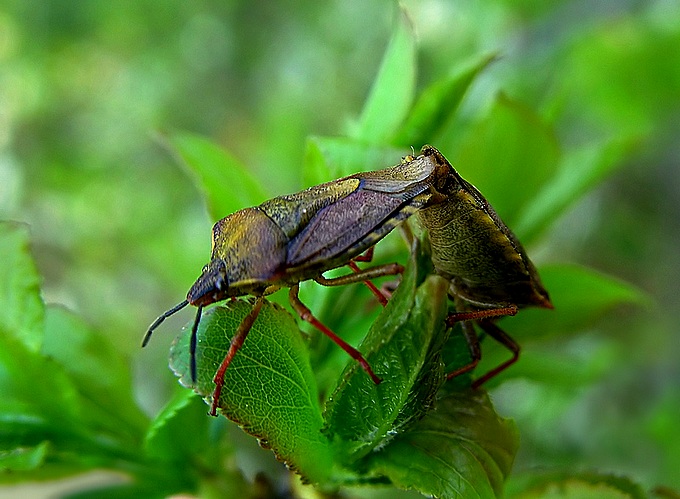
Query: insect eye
[{"x": 218, "y": 276}]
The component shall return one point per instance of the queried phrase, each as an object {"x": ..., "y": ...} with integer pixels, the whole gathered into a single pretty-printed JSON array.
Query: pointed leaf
[
  {"x": 508, "y": 156},
  {"x": 39, "y": 401},
  {"x": 335, "y": 157},
  {"x": 269, "y": 388},
  {"x": 183, "y": 434},
  {"x": 101, "y": 374},
  {"x": 580, "y": 295},
  {"x": 315, "y": 169},
  {"x": 579, "y": 171},
  {"x": 23, "y": 458},
  {"x": 463, "y": 449},
  {"x": 392, "y": 93},
  {"x": 227, "y": 184},
  {"x": 22, "y": 310},
  {"x": 403, "y": 347},
  {"x": 180, "y": 432},
  {"x": 567, "y": 369},
  {"x": 437, "y": 104}
]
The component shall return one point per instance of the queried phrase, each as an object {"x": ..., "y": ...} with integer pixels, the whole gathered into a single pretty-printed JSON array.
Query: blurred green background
[{"x": 89, "y": 90}]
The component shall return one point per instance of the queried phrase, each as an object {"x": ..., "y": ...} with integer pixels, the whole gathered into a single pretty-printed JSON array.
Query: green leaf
[
  {"x": 329, "y": 158},
  {"x": 269, "y": 387},
  {"x": 631, "y": 87},
  {"x": 393, "y": 88},
  {"x": 22, "y": 310},
  {"x": 403, "y": 347},
  {"x": 167, "y": 438},
  {"x": 315, "y": 168},
  {"x": 349, "y": 312},
  {"x": 39, "y": 401},
  {"x": 563, "y": 365},
  {"x": 23, "y": 458},
  {"x": 227, "y": 184},
  {"x": 99, "y": 372},
  {"x": 580, "y": 295},
  {"x": 463, "y": 449},
  {"x": 182, "y": 434},
  {"x": 437, "y": 104},
  {"x": 578, "y": 485},
  {"x": 579, "y": 171},
  {"x": 662, "y": 422},
  {"x": 508, "y": 156}
]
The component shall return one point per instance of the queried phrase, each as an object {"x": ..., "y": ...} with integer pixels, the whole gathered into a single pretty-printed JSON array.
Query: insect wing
[
  {"x": 404, "y": 181},
  {"x": 293, "y": 212},
  {"x": 337, "y": 227},
  {"x": 350, "y": 225}
]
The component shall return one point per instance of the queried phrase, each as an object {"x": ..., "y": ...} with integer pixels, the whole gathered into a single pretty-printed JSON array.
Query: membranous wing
[{"x": 351, "y": 224}]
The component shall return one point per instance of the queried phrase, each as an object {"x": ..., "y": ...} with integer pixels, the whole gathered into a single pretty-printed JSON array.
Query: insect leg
[
  {"x": 306, "y": 315},
  {"x": 388, "y": 288},
  {"x": 366, "y": 257},
  {"x": 362, "y": 275},
  {"x": 475, "y": 351},
  {"x": 234, "y": 346},
  {"x": 504, "y": 339},
  {"x": 480, "y": 314},
  {"x": 372, "y": 287}
]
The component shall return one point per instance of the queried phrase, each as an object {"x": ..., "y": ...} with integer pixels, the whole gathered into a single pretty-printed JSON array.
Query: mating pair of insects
[{"x": 298, "y": 237}]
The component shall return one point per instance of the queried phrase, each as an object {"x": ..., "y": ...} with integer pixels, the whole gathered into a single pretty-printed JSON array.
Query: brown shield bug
[
  {"x": 298, "y": 237},
  {"x": 489, "y": 271}
]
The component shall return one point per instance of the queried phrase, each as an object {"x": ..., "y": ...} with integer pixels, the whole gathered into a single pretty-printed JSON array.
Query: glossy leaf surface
[
  {"x": 403, "y": 346},
  {"x": 269, "y": 388},
  {"x": 463, "y": 449},
  {"x": 393, "y": 88},
  {"x": 209, "y": 162}
]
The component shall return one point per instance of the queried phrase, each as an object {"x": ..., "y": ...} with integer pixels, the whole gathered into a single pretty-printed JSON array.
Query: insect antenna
[{"x": 160, "y": 319}]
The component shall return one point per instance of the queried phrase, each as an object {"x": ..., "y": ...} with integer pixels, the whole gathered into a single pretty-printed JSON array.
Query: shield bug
[
  {"x": 489, "y": 271},
  {"x": 298, "y": 237}
]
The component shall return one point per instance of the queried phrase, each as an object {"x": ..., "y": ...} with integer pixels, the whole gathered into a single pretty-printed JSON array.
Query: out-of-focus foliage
[{"x": 90, "y": 92}]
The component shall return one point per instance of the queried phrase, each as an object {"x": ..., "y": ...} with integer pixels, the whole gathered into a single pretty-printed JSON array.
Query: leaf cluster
[{"x": 67, "y": 405}]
